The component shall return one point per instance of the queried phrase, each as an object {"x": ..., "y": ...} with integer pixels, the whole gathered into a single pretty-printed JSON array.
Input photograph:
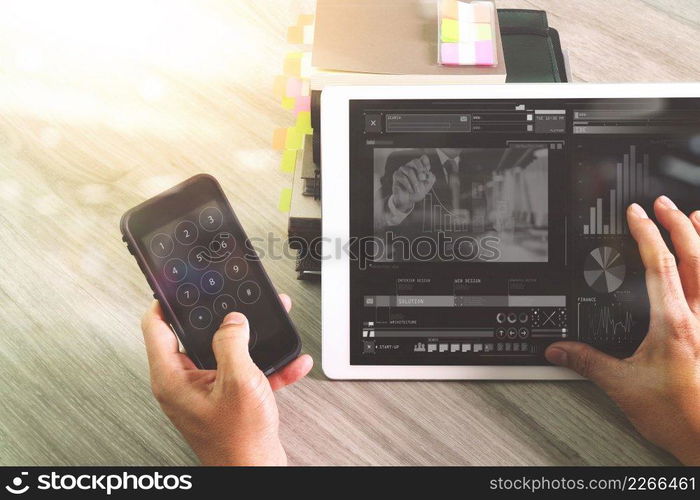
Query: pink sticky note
[
  {"x": 482, "y": 12},
  {"x": 449, "y": 54},
  {"x": 303, "y": 104},
  {"x": 293, "y": 87},
  {"x": 484, "y": 53}
]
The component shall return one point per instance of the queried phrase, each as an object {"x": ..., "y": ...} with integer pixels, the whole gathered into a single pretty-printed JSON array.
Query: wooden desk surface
[{"x": 91, "y": 126}]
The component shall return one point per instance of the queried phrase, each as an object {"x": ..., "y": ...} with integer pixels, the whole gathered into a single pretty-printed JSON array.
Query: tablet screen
[{"x": 484, "y": 230}]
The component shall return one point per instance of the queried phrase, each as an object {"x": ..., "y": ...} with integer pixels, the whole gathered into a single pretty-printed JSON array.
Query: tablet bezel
[{"x": 335, "y": 149}]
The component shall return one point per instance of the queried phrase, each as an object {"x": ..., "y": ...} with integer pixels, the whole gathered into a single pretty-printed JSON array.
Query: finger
[
  {"x": 425, "y": 161},
  {"x": 430, "y": 182},
  {"x": 162, "y": 348},
  {"x": 286, "y": 301},
  {"x": 662, "y": 279},
  {"x": 293, "y": 372},
  {"x": 410, "y": 173},
  {"x": 687, "y": 245},
  {"x": 402, "y": 181},
  {"x": 695, "y": 218},
  {"x": 230, "y": 345},
  {"x": 604, "y": 370}
]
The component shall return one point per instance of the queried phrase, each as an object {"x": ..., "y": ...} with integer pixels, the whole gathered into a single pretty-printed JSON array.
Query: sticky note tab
[
  {"x": 448, "y": 8},
  {"x": 288, "y": 102},
  {"x": 449, "y": 54},
  {"x": 484, "y": 53},
  {"x": 293, "y": 87},
  {"x": 465, "y": 12},
  {"x": 482, "y": 12},
  {"x": 292, "y": 64},
  {"x": 295, "y": 138},
  {"x": 285, "y": 202},
  {"x": 295, "y": 35},
  {"x": 303, "y": 103},
  {"x": 303, "y": 124},
  {"x": 305, "y": 19},
  {"x": 449, "y": 30},
  {"x": 289, "y": 159},
  {"x": 279, "y": 138},
  {"x": 280, "y": 86},
  {"x": 483, "y": 31}
]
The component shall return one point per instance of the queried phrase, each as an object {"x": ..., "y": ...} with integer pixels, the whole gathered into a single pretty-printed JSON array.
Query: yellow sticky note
[
  {"x": 483, "y": 31},
  {"x": 288, "y": 102},
  {"x": 279, "y": 138},
  {"x": 295, "y": 138},
  {"x": 289, "y": 159},
  {"x": 280, "y": 86},
  {"x": 303, "y": 124},
  {"x": 292, "y": 64},
  {"x": 449, "y": 30},
  {"x": 305, "y": 19},
  {"x": 295, "y": 34},
  {"x": 285, "y": 202}
]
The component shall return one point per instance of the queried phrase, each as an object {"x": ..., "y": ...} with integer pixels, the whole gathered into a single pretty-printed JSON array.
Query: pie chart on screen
[{"x": 604, "y": 269}]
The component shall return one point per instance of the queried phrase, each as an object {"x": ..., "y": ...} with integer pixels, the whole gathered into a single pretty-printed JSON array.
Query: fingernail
[
  {"x": 696, "y": 216},
  {"x": 234, "y": 318},
  {"x": 638, "y": 211},
  {"x": 556, "y": 356},
  {"x": 666, "y": 201}
]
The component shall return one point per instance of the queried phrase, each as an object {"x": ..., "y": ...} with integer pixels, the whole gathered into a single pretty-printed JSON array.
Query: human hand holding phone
[
  {"x": 658, "y": 387},
  {"x": 229, "y": 415}
]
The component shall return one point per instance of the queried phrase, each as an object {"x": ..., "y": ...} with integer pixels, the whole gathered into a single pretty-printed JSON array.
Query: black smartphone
[{"x": 201, "y": 266}]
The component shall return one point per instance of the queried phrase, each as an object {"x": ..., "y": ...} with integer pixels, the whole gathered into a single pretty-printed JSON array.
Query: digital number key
[
  {"x": 186, "y": 232},
  {"x": 236, "y": 268},
  {"x": 162, "y": 245},
  {"x": 187, "y": 294},
  {"x": 211, "y": 218},
  {"x": 197, "y": 258},
  {"x": 212, "y": 282},
  {"x": 175, "y": 270},
  {"x": 224, "y": 304}
]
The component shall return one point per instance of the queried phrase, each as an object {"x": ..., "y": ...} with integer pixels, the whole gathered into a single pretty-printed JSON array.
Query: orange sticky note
[
  {"x": 448, "y": 8},
  {"x": 279, "y": 138}
]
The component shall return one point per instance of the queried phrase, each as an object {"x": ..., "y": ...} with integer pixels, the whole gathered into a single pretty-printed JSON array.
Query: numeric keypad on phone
[{"x": 209, "y": 280}]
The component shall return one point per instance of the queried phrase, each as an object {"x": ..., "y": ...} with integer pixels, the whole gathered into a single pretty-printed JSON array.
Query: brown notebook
[{"x": 387, "y": 42}]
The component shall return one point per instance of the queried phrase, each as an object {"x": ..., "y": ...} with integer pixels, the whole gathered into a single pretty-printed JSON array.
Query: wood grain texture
[{"x": 86, "y": 136}]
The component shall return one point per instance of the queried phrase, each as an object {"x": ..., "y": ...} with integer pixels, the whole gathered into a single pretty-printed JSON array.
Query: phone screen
[{"x": 202, "y": 267}]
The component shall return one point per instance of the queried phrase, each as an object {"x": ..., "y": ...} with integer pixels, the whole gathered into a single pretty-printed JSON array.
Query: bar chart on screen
[{"x": 621, "y": 181}]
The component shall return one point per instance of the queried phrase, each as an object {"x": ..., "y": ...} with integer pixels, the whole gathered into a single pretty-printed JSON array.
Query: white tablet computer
[{"x": 466, "y": 228}]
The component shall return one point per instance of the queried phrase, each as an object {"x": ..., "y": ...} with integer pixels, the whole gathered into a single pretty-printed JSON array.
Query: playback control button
[{"x": 249, "y": 292}]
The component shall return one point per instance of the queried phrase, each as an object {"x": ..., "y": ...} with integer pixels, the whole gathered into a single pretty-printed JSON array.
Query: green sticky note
[
  {"x": 303, "y": 124},
  {"x": 285, "y": 200},
  {"x": 449, "y": 31},
  {"x": 483, "y": 31},
  {"x": 288, "y": 102},
  {"x": 289, "y": 159},
  {"x": 295, "y": 138}
]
